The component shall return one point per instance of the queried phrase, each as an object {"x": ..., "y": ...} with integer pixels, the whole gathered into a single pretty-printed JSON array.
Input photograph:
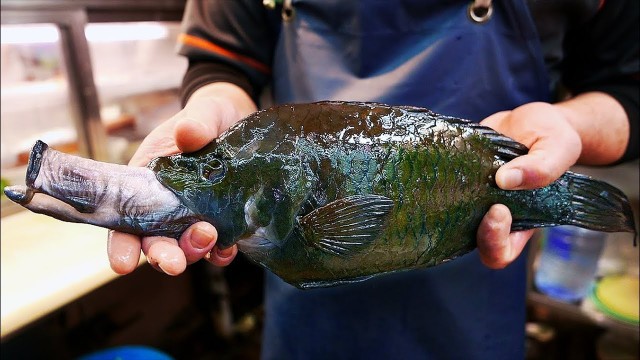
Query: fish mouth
[
  {"x": 35, "y": 160},
  {"x": 24, "y": 194},
  {"x": 119, "y": 197}
]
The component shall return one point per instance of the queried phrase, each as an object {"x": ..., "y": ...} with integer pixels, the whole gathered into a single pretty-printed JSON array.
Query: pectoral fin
[{"x": 346, "y": 226}]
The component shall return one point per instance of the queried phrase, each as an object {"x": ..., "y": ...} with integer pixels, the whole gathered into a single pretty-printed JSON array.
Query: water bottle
[{"x": 568, "y": 262}]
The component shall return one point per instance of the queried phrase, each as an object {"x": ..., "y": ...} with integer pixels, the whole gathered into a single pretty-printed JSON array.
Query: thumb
[
  {"x": 554, "y": 145},
  {"x": 197, "y": 125},
  {"x": 548, "y": 158},
  {"x": 191, "y": 134}
]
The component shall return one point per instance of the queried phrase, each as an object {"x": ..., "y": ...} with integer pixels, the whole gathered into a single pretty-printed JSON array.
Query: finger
[
  {"x": 197, "y": 241},
  {"x": 496, "y": 245},
  {"x": 197, "y": 124},
  {"x": 546, "y": 161},
  {"x": 123, "y": 251},
  {"x": 192, "y": 134},
  {"x": 554, "y": 145},
  {"x": 164, "y": 254},
  {"x": 162, "y": 142},
  {"x": 494, "y": 120},
  {"x": 492, "y": 235},
  {"x": 222, "y": 257},
  {"x": 159, "y": 142}
]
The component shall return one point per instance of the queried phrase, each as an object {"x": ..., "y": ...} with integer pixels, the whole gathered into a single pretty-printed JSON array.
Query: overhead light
[
  {"x": 125, "y": 32},
  {"x": 30, "y": 34}
]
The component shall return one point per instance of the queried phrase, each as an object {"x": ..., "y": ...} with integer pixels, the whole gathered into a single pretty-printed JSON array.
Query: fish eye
[{"x": 213, "y": 171}]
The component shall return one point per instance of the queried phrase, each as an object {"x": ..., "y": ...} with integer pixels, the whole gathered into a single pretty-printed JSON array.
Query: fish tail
[
  {"x": 600, "y": 206},
  {"x": 578, "y": 200}
]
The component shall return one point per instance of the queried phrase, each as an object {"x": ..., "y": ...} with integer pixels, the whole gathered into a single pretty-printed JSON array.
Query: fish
[{"x": 324, "y": 194}]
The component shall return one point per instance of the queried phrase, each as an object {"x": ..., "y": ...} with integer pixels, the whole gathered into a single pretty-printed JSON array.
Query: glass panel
[
  {"x": 35, "y": 100},
  {"x": 137, "y": 73}
]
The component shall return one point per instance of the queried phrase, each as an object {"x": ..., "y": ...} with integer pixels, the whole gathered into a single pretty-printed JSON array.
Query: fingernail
[
  {"x": 225, "y": 253},
  {"x": 512, "y": 178},
  {"x": 200, "y": 239}
]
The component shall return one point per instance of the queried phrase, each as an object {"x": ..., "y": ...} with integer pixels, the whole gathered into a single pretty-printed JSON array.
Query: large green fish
[{"x": 324, "y": 193}]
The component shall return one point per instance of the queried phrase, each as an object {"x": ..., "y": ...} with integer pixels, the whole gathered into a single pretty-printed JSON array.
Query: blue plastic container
[
  {"x": 568, "y": 262},
  {"x": 133, "y": 352}
]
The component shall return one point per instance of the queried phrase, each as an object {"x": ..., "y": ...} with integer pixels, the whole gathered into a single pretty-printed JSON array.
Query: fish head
[
  {"x": 212, "y": 185},
  {"x": 162, "y": 199},
  {"x": 253, "y": 191}
]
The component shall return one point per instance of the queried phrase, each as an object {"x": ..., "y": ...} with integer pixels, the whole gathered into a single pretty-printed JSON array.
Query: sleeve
[
  {"x": 227, "y": 40},
  {"x": 603, "y": 55}
]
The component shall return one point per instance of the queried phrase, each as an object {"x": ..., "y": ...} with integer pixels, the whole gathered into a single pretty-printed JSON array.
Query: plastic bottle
[{"x": 568, "y": 262}]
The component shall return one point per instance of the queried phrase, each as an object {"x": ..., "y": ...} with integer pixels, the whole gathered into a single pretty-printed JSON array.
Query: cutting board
[{"x": 46, "y": 263}]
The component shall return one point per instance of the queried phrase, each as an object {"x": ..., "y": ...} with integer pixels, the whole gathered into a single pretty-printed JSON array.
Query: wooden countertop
[{"x": 46, "y": 263}]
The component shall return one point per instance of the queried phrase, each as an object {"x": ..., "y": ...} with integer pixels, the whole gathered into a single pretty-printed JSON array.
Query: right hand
[{"x": 209, "y": 112}]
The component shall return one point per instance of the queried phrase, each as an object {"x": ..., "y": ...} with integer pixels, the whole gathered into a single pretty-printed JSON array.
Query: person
[{"x": 501, "y": 62}]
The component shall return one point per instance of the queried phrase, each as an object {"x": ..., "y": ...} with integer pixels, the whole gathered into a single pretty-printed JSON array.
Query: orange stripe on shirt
[{"x": 211, "y": 47}]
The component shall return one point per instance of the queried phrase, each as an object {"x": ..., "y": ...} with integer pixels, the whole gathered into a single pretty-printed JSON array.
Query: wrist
[{"x": 602, "y": 124}]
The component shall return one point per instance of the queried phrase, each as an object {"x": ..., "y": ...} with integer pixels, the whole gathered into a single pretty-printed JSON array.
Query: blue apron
[{"x": 413, "y": 52}]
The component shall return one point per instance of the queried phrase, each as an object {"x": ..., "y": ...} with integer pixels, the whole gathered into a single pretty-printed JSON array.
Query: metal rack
[{"x": 71, "y": 17}]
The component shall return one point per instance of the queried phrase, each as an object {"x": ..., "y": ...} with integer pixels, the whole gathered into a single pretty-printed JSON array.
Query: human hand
[
  {"x": 554, "y": 146},
  {"x": 203, "y": 119}
]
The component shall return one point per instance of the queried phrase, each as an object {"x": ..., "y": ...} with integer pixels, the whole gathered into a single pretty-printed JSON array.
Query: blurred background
[{"x": 93, "y": 78}]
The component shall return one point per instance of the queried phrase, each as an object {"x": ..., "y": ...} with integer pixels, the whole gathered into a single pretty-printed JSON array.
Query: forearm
[{"x": 602, "y": 124}]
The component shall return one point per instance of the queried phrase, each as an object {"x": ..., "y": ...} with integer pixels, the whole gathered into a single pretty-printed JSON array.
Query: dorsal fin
[{"x": 506, "y": 147}]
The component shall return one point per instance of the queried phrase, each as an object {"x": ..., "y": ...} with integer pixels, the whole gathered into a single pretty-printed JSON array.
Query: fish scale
[
  {"x": 326, "y": 193},
  {"x": 411, "y": 228}
]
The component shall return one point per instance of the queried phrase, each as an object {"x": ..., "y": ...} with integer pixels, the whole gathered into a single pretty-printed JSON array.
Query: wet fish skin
[{"x": 336, "y": 192}]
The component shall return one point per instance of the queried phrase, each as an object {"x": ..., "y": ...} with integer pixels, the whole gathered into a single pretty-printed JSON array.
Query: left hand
[
  {"x": 210, "y": 110},
  {"x": 554, "y": 146}
]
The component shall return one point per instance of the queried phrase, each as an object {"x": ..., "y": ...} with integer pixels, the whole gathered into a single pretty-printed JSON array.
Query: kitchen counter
[{"x": 46, "y": 263}]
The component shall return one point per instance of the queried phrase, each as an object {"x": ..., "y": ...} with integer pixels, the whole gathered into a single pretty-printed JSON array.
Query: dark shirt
[{"x": 588, "y": 45}]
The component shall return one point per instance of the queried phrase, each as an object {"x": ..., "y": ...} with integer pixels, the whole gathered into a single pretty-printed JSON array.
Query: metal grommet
[
  {"x": 287, "y": 10},
  {"x": 480, "y": 14},
  {"x": 287, "y": 14}
]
